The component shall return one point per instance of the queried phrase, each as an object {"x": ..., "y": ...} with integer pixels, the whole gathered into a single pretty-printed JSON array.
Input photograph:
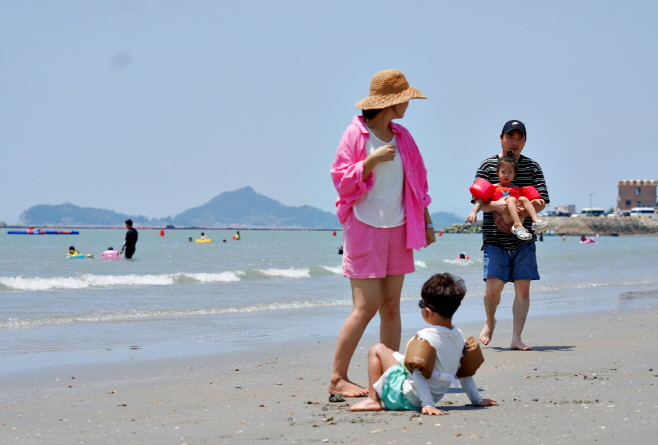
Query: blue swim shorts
[
  {"x": 392, "y": 392},
  {"x": 510, "y": 265}
]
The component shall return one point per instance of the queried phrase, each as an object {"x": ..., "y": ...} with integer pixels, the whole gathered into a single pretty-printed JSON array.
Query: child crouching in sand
[{"x": 392, "y": 385}]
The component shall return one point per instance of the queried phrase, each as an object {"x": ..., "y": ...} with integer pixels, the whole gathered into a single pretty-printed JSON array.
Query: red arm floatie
[
  {"x": 530, "y": 192},
  {"x": 482, "y": 189}
]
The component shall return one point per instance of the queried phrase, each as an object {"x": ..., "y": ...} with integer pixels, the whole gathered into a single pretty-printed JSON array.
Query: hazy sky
[{"x": 153, "y": 107}]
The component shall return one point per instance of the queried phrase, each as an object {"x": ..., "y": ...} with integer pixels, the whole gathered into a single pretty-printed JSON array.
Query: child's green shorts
[{"x": 392, "y": 392}]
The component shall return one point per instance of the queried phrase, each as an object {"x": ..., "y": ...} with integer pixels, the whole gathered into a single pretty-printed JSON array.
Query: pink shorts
[{"x": 373, "y": 252}]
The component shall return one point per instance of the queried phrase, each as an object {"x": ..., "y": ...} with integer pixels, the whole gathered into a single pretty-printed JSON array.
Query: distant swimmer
[
  {"x": 72, "y": 251},
  {"x": 237, "y": 236},
  {"x": 190, "y": 240},
  {"x": 111, "y": 254},
  {"x": 463, "y": 256},
  {"x": 131, "y": 240},
  {"x": 203, "y": 236}
]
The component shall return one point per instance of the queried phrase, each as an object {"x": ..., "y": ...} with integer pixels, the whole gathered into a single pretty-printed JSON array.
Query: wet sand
[{"x": 592, "y": 378}]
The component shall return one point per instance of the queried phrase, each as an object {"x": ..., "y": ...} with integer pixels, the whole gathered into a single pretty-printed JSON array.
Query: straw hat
[{"x": 388, "y": 87}]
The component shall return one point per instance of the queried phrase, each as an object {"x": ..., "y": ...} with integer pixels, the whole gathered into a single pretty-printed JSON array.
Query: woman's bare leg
[
  {"x": 366, "y": 297},
  {"x": 369, "y": 297},
  {"x": 390, "y": 324}
]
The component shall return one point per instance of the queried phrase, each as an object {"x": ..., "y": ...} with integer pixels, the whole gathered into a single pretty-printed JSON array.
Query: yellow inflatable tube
[{"x": 204, "y": 240}]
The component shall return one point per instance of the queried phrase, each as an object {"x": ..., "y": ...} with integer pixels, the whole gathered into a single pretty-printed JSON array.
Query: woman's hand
[
  {"x": 430, "y": 237},
  {"x": 384, "y": 153}
]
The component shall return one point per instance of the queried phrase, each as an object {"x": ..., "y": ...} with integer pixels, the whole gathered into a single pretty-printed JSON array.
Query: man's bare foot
[
  {"x": 487, "y": 333},
  {"x": 367, "y": 405},
  {"x": 519, "y": 346},
  {"x": 347, "y": 388}
]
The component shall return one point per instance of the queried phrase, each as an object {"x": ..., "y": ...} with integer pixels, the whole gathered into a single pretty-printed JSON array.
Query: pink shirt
[{"x": 347, "y": 174}]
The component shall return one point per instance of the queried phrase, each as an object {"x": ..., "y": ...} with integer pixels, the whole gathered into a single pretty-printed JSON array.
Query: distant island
[{"x": 242, "y": 208}]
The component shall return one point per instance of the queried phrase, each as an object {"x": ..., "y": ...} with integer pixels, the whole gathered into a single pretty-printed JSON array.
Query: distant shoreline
[
  {"x": 584, "y": 225},
  {"x": 45, "y": 226}
]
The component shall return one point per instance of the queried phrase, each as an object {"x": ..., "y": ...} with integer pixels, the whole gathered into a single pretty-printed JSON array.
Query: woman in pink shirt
[{"x": 382, "y": 204}]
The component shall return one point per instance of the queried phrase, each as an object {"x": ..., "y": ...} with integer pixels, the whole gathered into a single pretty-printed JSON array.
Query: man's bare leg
[
  {"x": 366, "y": 295},
  {"x": 380, "y": 358},
  {"x": 520, "y": 311},
  {"x": 494, "y": 287}
]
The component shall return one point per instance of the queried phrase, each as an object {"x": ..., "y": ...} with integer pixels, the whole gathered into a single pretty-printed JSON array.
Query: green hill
[
  {"x": 442, "y": 220},
  {"x": 72, "y": 215},
  {"x": 238, "y": 208},
  {"x": 246, "y": 208}
]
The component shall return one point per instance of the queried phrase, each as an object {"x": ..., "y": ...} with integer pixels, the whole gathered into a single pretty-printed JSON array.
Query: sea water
[{"x": 177, "y": 297}]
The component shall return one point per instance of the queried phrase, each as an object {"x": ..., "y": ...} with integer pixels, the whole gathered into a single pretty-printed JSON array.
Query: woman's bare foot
[
  {"x": 347, "y": 388},
  {"x": 367, "y": 405},
  {"x": 518, "y": 345},
  {"x": 487, "y": 333}
]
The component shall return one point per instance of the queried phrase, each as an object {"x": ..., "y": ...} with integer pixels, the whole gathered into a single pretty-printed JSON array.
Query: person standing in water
[
  {"x": 131, "y": 240},
  {"x": 382, "y": 202}
]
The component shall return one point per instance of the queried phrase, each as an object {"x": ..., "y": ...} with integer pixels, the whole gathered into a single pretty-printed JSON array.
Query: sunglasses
[{"x": 422, "y": 305}]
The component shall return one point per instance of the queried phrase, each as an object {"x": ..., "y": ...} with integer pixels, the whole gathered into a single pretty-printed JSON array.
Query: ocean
[{"x": 178, "y": 298}]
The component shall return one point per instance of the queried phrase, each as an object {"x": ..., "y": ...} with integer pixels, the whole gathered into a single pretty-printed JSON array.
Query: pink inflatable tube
[{"x": 111, "y": 255}]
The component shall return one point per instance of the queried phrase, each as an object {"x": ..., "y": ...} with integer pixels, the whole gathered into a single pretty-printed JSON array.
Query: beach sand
[{"x": 593, "y": 377}]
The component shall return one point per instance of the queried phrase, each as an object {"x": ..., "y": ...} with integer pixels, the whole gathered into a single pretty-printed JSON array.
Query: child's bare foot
[
  {"x": 347, "y": 388},
  {"x": 518, "y": 345},
  {"x": 487, "y": 333},
  {"x": 368, "y": 404}
]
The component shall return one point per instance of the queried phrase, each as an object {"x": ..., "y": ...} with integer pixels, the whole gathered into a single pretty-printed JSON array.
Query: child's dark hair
[
  {"x": 370, "y": 114},
  {"x": 507, "y": 160},
  {"x": 443, "y": 293}
]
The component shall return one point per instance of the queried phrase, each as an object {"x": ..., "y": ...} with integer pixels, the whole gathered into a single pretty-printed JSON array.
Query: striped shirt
[{"x": 529, "y": 173}]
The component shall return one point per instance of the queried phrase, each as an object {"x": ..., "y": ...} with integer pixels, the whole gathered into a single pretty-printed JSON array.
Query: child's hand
[
  {"x": 472, "y": 217},
  {"x": 487, "y": 402},
  {"x": 433, "y": 411}
]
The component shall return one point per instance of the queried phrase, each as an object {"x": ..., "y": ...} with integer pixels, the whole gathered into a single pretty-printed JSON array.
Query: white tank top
[{"x": 383, "y": 205}]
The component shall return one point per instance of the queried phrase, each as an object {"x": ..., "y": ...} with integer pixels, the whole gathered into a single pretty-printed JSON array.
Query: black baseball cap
[{"x": 514, "y": 125}]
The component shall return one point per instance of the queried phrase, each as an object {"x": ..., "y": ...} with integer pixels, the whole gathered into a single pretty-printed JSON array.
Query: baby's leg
[
  {"x": 380, "y": 358},
  {"x": 528, "y": 208},
  {"x": 513, "y": 212}
]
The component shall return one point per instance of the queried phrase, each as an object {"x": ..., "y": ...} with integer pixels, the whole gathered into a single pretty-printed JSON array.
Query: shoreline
[{"x": 588, "y": 379}]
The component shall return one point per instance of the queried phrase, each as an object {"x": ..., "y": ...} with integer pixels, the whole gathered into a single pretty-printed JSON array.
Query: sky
[{"x": 153, "y": 107}]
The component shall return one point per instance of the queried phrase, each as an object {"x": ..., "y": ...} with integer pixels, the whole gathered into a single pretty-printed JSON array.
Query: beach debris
[
  {"x": 73, "y": 377},
  {"x": 262, "y": 405},
  {"x": 278, "y": 383},
  {"x": 650, "y": 369},
  {"x": 336, "y": 398},
  {"x": 376, "y": 431},
  {"x": 456, "y": 435},
  {"x": 112, "y": 392},
  {"x": 329, "y": 419},
  {"x": 236, "y": 369},
  {"x": 122, "y": 404},
  {"x": 526, "y": 377}
]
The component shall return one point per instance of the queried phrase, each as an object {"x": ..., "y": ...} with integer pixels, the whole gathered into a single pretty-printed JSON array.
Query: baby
[
  {"x": 392, "y": 385},
  {"x": 510, "y": 221}
]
